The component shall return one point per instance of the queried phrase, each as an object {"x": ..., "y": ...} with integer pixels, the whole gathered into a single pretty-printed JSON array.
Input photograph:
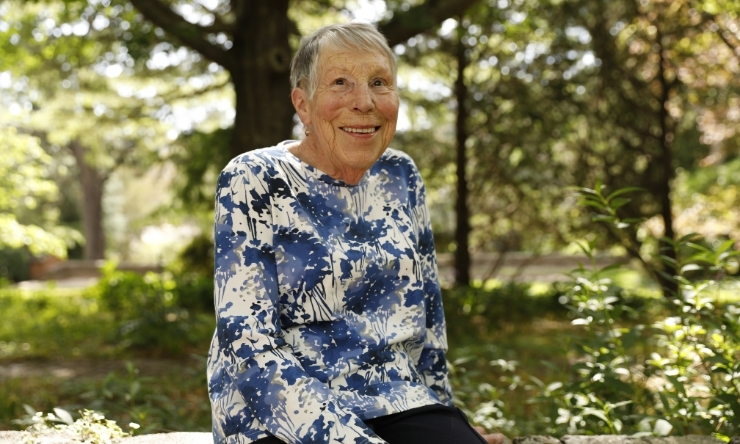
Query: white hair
[{"x": 351, "y": 36}]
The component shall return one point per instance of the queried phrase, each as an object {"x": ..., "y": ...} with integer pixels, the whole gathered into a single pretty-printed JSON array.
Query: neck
[{"x": 305, "y": 151}]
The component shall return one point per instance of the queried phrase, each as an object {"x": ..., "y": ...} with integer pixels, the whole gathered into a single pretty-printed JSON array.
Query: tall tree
[
  {"x": 462, "y": 226},
  {"x": 251, "y": 41},
  {"x": 81, "y": 95},
  {"x": 563, "y": 93}
]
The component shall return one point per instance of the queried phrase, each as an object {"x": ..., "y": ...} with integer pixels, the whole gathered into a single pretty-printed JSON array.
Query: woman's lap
[{"x": 426, "y": 425}]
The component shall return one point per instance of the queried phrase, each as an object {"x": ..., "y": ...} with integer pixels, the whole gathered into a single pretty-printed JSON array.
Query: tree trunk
[
  {"x": 92, "y": 182},
  {"x": 261, "y": 76},
  {"x": 462, "y": 231},
  {"x": 667, "y": 283}
]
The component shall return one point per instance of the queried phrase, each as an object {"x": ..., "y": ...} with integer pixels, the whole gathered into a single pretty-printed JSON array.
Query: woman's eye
[
  {"x": 378, "y": 82},
  {"x": 340, "y": 82}
]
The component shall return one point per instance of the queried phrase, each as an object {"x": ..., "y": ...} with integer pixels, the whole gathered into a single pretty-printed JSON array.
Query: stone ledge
[
  {"x": 8, "y": 437},
  {"x": 11, "y": 437}
]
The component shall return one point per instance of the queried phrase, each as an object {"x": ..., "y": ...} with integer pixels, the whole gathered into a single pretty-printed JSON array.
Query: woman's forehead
[{"x": 331, "y": 61}]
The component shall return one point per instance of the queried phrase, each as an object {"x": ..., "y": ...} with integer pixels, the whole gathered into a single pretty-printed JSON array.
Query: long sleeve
[
  {"x": 432, "y": 362},
  {"x": 277, "y": 391}
]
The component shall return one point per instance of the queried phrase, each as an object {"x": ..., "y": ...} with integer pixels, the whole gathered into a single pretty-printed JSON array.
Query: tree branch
[
  {"x": 218, "y": 26},
  {"x": 421, "y": 18},
  {"x": 187, "y": 33}
]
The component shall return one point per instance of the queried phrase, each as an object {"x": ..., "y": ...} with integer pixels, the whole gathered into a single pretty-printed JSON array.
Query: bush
[
  {"x": 679, "y": 374},
  {"x": 15, "y": 264},
  {"x": 152, "y": 311}
]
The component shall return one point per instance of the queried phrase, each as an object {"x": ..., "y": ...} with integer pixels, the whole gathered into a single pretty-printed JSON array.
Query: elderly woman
[{"x": 330, "y": 326}]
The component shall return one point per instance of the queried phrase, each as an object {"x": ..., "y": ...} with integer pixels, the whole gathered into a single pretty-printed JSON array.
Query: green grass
[
  {"x": 161, "y": 396},
  {"x": 53, "y": 323},
  {"x": 54, "y": 329}
]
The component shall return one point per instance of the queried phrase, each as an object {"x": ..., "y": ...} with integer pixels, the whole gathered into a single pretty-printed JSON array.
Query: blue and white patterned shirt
[{"x": 327, "y": 299}]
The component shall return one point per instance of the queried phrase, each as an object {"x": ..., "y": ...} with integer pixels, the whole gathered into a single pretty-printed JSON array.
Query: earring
[{"x": 306, "y": 132}]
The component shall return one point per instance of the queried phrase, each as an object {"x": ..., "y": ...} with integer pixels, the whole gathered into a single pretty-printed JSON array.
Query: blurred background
[{"x": 549, "y": 133}]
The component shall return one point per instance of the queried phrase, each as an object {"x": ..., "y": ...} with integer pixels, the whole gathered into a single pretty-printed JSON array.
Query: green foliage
[
  {"x": 161, "y": 395},
  {"x": 24, "y": 186},
  {"x": 125, "y": 313},
  {"x": 193, "y": 271},
  {"x": 679, "y": 374},
  {"x": 15, "y": 264},
  {"x": 92, "y": 427},
  {"x": 51, "y": 323},
  {"x": 468, "y": 310},
  {"x": 151, "y": 311},
  {"x": 147, "y": 400},
  {"x": 201, "y": 156}
]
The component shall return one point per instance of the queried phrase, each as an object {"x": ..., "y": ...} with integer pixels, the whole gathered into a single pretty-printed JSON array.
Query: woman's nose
[{"x": 363, "y": 99}]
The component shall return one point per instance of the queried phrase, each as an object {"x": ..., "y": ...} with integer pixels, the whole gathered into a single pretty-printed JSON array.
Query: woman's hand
[{"x": 492, "y": 438}]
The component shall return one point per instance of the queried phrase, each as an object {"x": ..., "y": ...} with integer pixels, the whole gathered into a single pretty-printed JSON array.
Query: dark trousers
[{"x": 433, "y": 424}]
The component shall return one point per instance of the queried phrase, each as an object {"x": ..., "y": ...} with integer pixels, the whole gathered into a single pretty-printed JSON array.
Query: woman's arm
[
  {"x": 432, "y": 363},
  {"x": 292, "y": 405}
]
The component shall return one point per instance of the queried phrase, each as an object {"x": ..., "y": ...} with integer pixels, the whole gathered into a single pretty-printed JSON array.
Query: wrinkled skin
[
  {"x": 492, "y": 438},
  {"x": 351, "y": 118}
]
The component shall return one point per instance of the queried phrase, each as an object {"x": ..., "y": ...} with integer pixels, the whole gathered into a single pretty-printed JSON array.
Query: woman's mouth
[{"x": 365, "y": 130}]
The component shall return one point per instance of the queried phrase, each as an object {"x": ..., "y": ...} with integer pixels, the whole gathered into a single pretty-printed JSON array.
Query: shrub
[
  {"x": 679, "y": 374},
  {"x": 148, "y": 310},
  {"x": 687, "y": 381},
  {"x": 92, "y": 427},
  {"x": 15, "y": 264}
]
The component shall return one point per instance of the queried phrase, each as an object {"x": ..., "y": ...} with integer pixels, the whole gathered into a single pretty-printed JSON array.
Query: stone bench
[{"x": 9, "y": 437}]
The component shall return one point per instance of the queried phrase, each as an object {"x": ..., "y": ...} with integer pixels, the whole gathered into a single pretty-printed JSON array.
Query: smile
[{"x": 360, "y": 130}]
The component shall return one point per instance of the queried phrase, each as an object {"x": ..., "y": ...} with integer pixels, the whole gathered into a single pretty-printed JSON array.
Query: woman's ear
[{"x": 302, "y": 105}]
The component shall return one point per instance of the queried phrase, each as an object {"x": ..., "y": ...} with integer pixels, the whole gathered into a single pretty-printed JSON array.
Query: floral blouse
[{"x": 327, "y": 300}]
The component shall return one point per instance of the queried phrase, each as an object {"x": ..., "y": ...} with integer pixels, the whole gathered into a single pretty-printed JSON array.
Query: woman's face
[{"x": 352, "y": 116}]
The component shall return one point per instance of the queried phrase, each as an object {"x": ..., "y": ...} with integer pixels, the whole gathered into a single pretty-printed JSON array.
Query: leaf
[
  {"x": 662, "y": 427},
  {"x": 30, "y": 410},
  {"x": 619, "y": 202},
  {"x": 668, "y": 276},
  {"x": 585, "y": 190},
  {"x": 717, "y": 359},
  {"x": 690, "y": 267},
  {"x": 611, "y": 267},
  {"x": 665, "y": 402},
  {"x": 668, "y": 260},
  {"x": 699, "y": 247},
  {"x": 624, "y": 190},
  {"x": 591, "y": 203},
  {"x": 726, "y": 245},
  {"x": 64, "y": 416},
  {"x": 134, "y": 389},
  {"x": 686, "y": 238},
  {"x": 602, "y": 218},
  {"x": 731, "y": 400},
  {"x": 620, "y": 404},
  {"x": 597, "y": 413},
  {"x": 550, "y": 365},
  {"x": 676, "y": 383}
]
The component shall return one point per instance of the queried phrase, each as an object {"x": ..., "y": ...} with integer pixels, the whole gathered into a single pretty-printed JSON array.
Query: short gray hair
[{"x": 350, "y": 36}]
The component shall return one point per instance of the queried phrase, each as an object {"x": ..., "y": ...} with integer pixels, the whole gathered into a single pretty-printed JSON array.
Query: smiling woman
[
  {"x": 330, "y": 325},
  {"x": 351, "y": 118}
]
